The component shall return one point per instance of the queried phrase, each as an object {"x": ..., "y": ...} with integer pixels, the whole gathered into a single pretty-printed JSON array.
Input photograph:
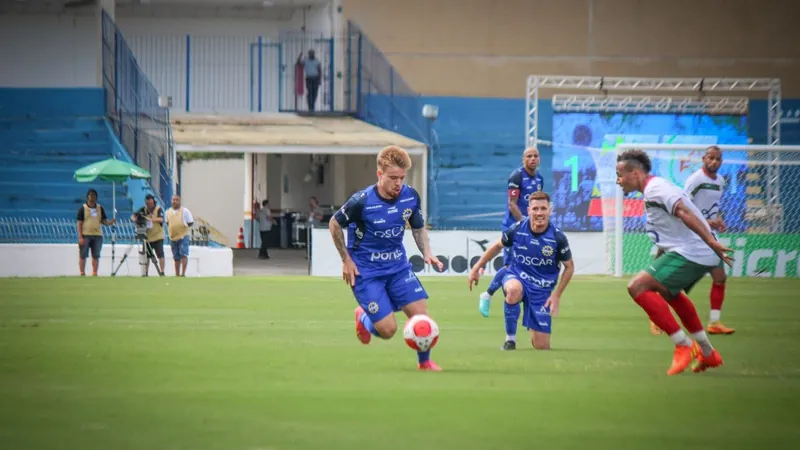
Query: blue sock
[
  {"x": 364, "y": 319},
  {"x": 511, "y": 313},
  {"x": 497, "y": 282},
  {"x": 424, "y": 356}
]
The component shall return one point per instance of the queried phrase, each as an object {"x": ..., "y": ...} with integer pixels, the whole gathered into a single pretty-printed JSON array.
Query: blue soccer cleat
[{"x": 484, "y": 304}]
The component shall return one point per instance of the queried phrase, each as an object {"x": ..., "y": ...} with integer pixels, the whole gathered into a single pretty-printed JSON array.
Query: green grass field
[{"x": 273, "y": 363}]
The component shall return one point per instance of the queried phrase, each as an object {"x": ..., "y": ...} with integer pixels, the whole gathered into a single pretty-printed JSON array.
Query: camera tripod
[{"x": 146, "y": 255}]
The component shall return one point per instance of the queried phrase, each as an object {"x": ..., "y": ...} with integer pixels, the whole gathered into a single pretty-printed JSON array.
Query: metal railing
[
  {"x": 132, "y": 106},
  {"x": 52, "y": 230}
]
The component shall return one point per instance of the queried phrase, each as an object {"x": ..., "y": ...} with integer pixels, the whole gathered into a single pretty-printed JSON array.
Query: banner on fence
[
  {"x": 755, "y": 255},
  {"x": 459, "y": 251}
]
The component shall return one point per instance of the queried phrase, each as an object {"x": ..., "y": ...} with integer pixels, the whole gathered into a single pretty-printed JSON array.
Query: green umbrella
[
  {"x": 115, "y": 171},
  {"x": 112, "y": 170}
]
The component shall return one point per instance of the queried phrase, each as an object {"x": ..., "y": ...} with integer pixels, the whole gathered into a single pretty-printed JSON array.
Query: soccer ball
[{"x": 421, "y": 333}]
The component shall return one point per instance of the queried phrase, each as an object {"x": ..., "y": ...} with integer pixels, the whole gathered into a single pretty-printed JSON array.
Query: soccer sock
[
  {"x": 364, "y": 319},
  {"x": 497, "y": 281},
  {"x": 658, "y": 311},
  {"x": 511, "y": 313},
  {"x": 717, "y": 297},
  {"x": 685, "y": 309},
  {"x": 424, "y": 357}
]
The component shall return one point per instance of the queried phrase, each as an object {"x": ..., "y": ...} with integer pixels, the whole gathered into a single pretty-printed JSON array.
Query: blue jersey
[
  {"x": 375, "y": 229},
  {"x": 521, "y": 185},
  {"x": 536, "y": 257}
]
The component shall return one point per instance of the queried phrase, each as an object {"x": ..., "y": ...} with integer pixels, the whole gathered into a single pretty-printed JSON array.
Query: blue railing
[
  {"x": 38, "y": 230},
  {"x": 377, "y": 93},
  {"x": 132, "y": 107}
]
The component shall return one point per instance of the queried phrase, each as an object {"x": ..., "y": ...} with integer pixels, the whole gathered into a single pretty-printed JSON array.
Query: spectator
[
  {"x": 313, "y": 73},
  {"x": 90, "y": 234},
  {"x": 315, "y": 214},
  {"x": 265, "y": 223},
  {"x": 155, "y": 230},
  {"x": 179, "y": 224}
]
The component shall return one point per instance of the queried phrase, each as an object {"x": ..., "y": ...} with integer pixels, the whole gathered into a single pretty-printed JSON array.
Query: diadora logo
[
  {"x": 390, "y": 233},
  {"x": 386, "y": 256},
  {"x": 379, "y": 221}
]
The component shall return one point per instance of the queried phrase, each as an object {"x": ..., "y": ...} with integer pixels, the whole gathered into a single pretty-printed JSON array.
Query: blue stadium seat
[{"x": 38, "y": 157}]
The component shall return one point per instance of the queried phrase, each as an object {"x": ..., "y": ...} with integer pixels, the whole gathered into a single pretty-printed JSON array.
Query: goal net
[{"x": 760, "y": 206}]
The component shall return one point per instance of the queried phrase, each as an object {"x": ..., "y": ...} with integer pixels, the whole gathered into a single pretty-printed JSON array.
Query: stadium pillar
[
  {"x": 339, "y": 34},
  {"x": 249, "y": 232},
  {"x": 108, "y": 7},
  {"x": 340, "y": 193}
]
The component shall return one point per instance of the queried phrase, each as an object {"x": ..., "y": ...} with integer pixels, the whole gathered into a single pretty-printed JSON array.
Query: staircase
[{"x": 38, "y": 157}]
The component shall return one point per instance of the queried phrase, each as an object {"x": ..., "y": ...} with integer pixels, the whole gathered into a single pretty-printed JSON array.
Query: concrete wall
[
  {"x": 25, "y": 260},
  {"x": 65, "y": 55},
  {"x": 487, "y": 49},
  {"x": 214, "y": 189}
]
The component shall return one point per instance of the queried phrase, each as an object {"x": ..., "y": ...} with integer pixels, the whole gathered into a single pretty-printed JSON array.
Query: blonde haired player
[
  {"x": 704, "y": 187},
  {"x": 374, "y": 261}
]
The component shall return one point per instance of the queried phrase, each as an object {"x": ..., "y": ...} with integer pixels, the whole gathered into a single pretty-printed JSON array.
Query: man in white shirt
[
  {"x": 704, "y": 188},
  {"x": 677, "y": 227}
]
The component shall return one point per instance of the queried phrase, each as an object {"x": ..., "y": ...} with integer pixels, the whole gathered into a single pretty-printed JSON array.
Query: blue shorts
[
  {"x": 387, "y": 294},
  {"x": 535, "y": 316},
  {"x": 93, "y": 243},
  {"x": 180, "y": 248}
]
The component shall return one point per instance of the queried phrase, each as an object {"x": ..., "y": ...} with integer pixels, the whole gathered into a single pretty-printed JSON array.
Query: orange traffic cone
[{"x": 240, "y": 239}]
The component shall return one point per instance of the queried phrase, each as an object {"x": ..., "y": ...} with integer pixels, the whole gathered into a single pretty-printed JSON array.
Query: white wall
[
  {"x": 223, "y": 58},
  {"x": 25, "y": 260},
  {"x": 49, "y": 50},
  {"x": 214, "y": 189}
]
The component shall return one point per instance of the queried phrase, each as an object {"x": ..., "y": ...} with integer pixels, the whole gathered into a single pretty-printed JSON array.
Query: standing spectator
[
  {"x": 90, "y": 234},
  {"x": 265, "y": 223},
  {"x": 179, "y": 225},
  {"x": 315, "y": 213},
  {"x": 313, "y": 72}
]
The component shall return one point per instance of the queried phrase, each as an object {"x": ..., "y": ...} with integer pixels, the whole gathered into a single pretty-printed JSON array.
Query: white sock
[
  {"x": 680, "y": 338},
  {"x": 510, "y": 337},
  {"x": 715, "y": 315},
  {"x": 703, "y": 342}
]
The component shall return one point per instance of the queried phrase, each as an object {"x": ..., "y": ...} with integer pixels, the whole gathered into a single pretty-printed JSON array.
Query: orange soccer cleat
[
  {"x": 361, "y": 331},
  {"x": 682, "y": 358},
  {"x": 707, "y": 362},
  {"x": 719, "y": 328},
  {"x": 429, "y": 366},
  {"x": 654, "y": 329}
]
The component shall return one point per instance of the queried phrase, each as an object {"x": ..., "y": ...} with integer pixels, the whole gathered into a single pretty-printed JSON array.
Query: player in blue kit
[
  {"x": 374, "y": 261},
  {"x": 522, "y": 182},
  {"x": 537, "y": 252}
]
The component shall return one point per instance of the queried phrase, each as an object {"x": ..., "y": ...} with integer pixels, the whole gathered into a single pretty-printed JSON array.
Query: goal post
[{"x": 760, "y": 205}]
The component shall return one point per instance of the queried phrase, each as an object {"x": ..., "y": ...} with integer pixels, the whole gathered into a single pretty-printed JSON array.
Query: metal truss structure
[
  {"x": 603, "y": 85},
  {"x": 684, "y": 95},
  {"x": 650, "y": 104}
]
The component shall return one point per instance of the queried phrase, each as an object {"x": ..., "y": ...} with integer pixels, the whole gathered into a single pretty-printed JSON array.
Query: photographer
[{"x": 151, "y": 216}]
